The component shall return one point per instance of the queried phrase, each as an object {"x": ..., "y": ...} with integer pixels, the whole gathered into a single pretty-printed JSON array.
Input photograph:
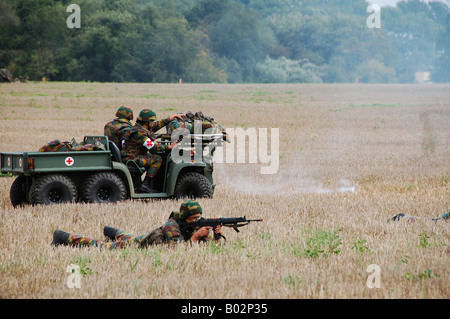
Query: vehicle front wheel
[
  {"x": 193, "y": 185},
  {"x": 53, "y": 189}
]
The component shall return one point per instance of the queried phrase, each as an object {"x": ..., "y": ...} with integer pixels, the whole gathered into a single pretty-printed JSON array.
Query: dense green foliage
[{"x": 230, "y": 41}]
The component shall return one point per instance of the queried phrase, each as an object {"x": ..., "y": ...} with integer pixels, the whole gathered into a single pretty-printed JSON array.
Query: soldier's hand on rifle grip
[
  {"x": 201, "y": 233},
  {"x": 218, "y": 232}
]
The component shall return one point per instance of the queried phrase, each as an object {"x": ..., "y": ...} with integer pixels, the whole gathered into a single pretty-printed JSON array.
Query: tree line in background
[{"x": 225, "y": 41}]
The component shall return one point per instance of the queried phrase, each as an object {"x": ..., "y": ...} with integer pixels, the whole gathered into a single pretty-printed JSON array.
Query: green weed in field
[
  {"x": 134, "y": 264},
  {"x": 319, "y": 243},
  {"x": 265, "y": 235},
  {"x": 424, "y": 240},
  {"x": 426, "y": 274},
  {"x": 292, "y": 281},
  {"x": 83, "y": 263},
  {"x": 323, "y": 243},
  {"x": 360, "y": 245},
  {"x": 157, "y": 259},
  {"x": 429, "y": 241},
  {"x": 403, "y": 260},
  {"x": 5, "y": 174}
]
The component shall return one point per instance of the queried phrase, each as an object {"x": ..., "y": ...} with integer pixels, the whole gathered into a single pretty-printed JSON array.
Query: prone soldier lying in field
[
  {"x": 412, "y": 219},
  {"x": 171, "y": 232}
]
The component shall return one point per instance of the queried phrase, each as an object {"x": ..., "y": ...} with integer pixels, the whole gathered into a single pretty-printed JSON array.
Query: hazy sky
[{"x": 383, "y": 3}]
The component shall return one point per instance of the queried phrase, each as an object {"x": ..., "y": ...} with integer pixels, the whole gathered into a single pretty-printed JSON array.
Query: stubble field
[{"x": 350, "y": 156}]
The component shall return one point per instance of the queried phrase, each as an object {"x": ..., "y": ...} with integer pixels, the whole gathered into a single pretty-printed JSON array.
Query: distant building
[{"x": 423, "y": 77}]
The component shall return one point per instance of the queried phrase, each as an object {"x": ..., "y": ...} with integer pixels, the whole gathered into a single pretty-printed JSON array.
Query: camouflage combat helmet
[
  {"x": 146, "y": 115},
  {"x": 199, "y": 115},
  {"x": 189, "y": 208},
  {"x": 190, "y": 115},
  {"x": 124, "y": 113}
]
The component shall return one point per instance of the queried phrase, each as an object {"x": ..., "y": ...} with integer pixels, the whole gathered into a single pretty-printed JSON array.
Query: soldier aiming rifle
[{"x": 182, "y": 226}]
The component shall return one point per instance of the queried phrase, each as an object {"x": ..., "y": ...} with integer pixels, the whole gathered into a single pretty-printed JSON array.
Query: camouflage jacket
[
  {"x": 173, "y": 233},
  {"x": 116, "y": 129},
  {"x": 138, "y": 140}
]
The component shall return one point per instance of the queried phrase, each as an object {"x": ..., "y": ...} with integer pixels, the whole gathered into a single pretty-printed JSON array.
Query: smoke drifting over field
[{"x": 243, "y": 178}]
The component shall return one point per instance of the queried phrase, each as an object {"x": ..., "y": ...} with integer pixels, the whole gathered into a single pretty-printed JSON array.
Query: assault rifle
[{"x": 233, "y": 222}]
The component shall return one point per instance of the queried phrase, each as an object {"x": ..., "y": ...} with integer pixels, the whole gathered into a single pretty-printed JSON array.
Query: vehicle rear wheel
[
  {"x": 104, "y": 187},
  {"x": 193, "y": 185},
  {"x": 53, "y": 189},
  {"x": 18, "y": 193}
]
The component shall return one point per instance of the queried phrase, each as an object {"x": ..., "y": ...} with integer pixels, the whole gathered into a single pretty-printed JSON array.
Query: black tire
[
  {"x": 193, "y": 185},
  {"x": 18, "y": 193},
  {"x": 103, "y": 187},
  {"x": 53, "y": 189}
]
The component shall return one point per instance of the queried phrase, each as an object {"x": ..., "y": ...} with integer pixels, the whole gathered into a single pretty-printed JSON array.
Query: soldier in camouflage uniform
[
  {"x": 412, "y": 219},
  {"x": 169, "y": 233},
  {"x": 140, "y": 139},
  {"x": 115, "y": 129}
]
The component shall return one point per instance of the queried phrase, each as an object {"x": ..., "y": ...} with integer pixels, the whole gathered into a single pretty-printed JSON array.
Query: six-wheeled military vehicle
[{"x": 100, "y": 176}]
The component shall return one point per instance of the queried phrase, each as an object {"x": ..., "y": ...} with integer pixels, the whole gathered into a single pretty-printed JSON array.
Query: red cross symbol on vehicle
[{"x": 69, "y": 161}]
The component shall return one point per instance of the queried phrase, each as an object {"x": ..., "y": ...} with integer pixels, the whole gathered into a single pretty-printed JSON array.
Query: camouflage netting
[
  {"x": 208, "y": 124},
  {"x": 58, "y": 146}
]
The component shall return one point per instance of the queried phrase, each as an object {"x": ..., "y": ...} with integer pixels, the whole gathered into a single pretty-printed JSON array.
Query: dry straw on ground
[{"x": 351, "y": 156}]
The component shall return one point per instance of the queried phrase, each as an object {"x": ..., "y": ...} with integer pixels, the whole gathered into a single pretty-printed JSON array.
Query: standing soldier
[
  {"x": 116, "y": 129},
  {"x": 140, "y": 139},
  {"x": 172, "y": 232}
]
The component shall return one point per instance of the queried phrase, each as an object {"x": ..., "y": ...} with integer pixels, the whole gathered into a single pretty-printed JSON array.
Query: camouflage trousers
[
  {"x": 151, "y": 162},
  {"x": 123, "y": 240}
]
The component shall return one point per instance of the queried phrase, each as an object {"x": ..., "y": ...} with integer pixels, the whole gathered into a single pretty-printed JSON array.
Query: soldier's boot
[
  {"x": 146, "y": 186},
  {"x": 396, "y": 217},
  {"x": 110, "y": 232},
  {"x": 60, "y": 238}
]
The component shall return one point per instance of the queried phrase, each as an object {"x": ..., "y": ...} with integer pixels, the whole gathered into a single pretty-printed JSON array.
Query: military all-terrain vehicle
[{"x": 100, "y": 176}]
